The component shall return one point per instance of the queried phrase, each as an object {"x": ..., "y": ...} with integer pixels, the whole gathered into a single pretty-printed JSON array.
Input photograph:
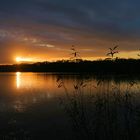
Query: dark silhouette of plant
[
  {"x": 138, "y": 53},
  {"x": 112, "y": 51},
  {"x": 108, "y": 113},
  {"x": 75, "y": 54}
]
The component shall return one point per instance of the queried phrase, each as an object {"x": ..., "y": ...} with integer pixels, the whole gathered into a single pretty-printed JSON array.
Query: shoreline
[{"x": 115, "y": 67}]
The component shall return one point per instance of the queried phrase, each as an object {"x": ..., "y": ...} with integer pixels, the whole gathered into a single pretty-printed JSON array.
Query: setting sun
[
  {"x": 18, "y": 59},
  {"x": 21, "y": 59}
]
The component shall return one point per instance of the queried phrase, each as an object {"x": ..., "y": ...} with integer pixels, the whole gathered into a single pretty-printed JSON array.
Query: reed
[{"x": 109, "y": 113}]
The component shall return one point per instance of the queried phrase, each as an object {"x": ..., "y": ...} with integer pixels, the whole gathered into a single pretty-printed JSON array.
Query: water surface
[{"x": 62, "y": 106}]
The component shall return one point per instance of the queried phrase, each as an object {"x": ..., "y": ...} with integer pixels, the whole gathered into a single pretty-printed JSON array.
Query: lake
[{"x": 54, "y": 106}]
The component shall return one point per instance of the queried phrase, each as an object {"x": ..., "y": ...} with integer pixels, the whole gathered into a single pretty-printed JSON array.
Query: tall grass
[{"x": 109, "y": 113}]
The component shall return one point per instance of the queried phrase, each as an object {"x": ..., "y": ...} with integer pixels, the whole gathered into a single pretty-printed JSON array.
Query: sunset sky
[{"x": 40, "y": 30}]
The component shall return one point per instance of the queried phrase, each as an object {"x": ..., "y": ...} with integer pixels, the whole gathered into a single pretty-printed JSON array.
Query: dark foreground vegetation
[
  {"x": 105, "y": 113},
  {"x": 117, "y": 66}
]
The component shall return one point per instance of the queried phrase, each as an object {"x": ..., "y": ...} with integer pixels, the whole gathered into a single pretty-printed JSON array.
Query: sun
[
  {"x": 18, "y": 59},
  {"x": 22, "y": 59}
]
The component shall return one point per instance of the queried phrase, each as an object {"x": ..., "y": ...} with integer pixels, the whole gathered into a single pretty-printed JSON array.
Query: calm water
[{"x": 42, "y": 105}]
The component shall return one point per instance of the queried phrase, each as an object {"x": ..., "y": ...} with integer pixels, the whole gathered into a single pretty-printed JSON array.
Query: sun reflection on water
[
  {"x": 33, "y": 81},
  {"x": 28, "y": 81},
  {"x": 18, "y": 79}
]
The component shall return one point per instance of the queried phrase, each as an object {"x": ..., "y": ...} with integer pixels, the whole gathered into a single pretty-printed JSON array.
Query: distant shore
[{"x": 117, "y": 66}]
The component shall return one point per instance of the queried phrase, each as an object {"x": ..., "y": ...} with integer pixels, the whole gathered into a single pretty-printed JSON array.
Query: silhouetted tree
[{"x": 112, "y": 51}]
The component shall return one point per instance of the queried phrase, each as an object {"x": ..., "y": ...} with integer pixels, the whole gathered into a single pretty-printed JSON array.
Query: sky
[{"x": 40, "y": 30}]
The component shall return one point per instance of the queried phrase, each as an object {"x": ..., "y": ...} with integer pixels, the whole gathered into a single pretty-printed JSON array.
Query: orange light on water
[{"x": 18, "y": 79}]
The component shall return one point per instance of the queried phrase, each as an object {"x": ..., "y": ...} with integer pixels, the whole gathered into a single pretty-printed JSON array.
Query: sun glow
[{"x": 21, "y": 59}]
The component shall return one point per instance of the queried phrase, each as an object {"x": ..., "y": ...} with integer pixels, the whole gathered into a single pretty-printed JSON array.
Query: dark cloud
[{"x": 121, "y": 16}]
